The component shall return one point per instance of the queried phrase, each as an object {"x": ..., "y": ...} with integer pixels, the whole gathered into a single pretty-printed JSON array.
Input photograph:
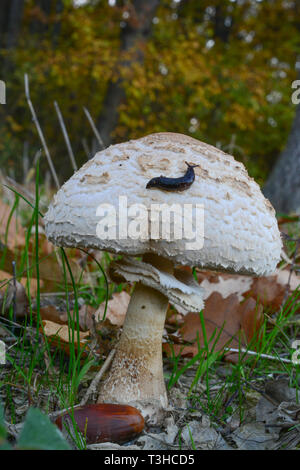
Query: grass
[
  {"x": 42, "y": 375},
  {"x": 62, "y": 375},
  {"x": 220, "y": 397}
]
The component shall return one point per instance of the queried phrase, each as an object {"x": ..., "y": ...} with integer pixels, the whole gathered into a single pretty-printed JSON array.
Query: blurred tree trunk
[
  {"x": 40, "y": 24},
  {"x": 283, "y": 185},
  {"x": 222, "y": 29},
  {"x": 11, "y": 13},
  {"x": 136, "y": 31},
  {"x": 59, "y": 7}
]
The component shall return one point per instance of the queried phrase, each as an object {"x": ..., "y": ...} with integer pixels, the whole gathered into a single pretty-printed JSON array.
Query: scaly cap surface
[{"x": 240, "y": 228}]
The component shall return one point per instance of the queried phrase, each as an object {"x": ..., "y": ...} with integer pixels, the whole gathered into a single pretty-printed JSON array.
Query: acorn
[{"x": 104, "y": 422}]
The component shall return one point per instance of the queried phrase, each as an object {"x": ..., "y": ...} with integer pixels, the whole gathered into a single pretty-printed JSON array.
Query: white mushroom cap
[{"x": 240, "y": 228}]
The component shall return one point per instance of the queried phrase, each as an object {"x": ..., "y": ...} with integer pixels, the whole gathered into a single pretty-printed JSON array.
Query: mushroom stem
[{"x": 136, "y": 373}]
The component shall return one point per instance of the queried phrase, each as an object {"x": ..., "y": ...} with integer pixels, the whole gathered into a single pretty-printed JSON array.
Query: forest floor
[{"x": 229, "y": 388}]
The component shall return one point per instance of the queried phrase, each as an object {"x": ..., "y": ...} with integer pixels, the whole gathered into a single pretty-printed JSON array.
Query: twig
[
  {"x": 11, "y": 384},
  {"x": 11, "y": 323},
  {"x": 25, "y": 161},
  {"x": 161, "y": 441},
  {"x": 40, "y": 132},
  {"x": 55, "y": 294},
  {"x": 288, "y": 286},
  {"x": 254, "y": 353},
  {"x": 93, "y": 126},
  {"x": 94, "y": 338},
  {"x": 274, "y": 323},
  {"x": 13, "y": 429},
  {"x": 285, "y": 258},
  {"x": 20, "y": 189},
  {"x": 37, "y": 156},
  {"x": 287, "y": 237},
  {"x": 233, "y": 146},
  {"x": 295, "y": 322},
  {"x": 94, "y": 384},
  {"x": 86, "y": 148},
  {"x": 54, "y": 414},
  {"x": 15, "y": 295},
  {"x": 271, "y": 400},
  {"x": 66, "y": 136}
]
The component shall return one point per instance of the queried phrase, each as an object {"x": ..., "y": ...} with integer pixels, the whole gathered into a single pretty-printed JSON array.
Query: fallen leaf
[
  {"x": 251, "y": 318},
  {"x": 59, "y": 335},
  {"x": 174, "y": 318},
  {"x": 7, "y": 298},
  {"x": 277, "y": 417},
  {"x": 267, "y": 291},
  {"x": 180, "y": 349},
  {"x": 252, "y": 436},
  {"x": 232, "y": 322},
  {"x": 284, "y": 277},
  {"x": 52, "y": 314},
  {"x": 218, "y": 312},
  {"x": 116, "y": 309},
  {"x": 224, "y": 284},
  {"x": 50, "y": 271},
  {"x": 203, "y": 437},
  {"x": 86, "y": 313},
  {"x": 6, "y": 276},
  {"x": 288, "y": 219},
  {"x": 107, "y": 336},
  {"x": 280, "y": 390},
  {"x": 15, "y": 233}
]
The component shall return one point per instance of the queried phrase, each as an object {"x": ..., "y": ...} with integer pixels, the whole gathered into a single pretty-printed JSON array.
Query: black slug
[{"x": 174, "y": 184}]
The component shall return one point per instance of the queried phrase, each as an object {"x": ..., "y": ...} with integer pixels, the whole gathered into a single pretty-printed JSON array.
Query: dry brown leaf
[
  {"x": 7, "y": 298},
  {"x": 267, "y": 291},
  {"x": 224, "y": 284},
  {"x": 180, "y": 349},
  {"x": 85, "y": 315},
  {"x": 50, "y": 272},
  {"x": 287, "y": 220},
  {"x": 217, "y": 311},
  {"x": 89, "y": 316},
  {"x": 174, "y": 318},
  {"x": 251, "y": 318},
  {"x": 15, "y": 235},
  {"x": 5, "y": 276},
  {"x": 107, "y": 336},
  {"x": 284, "y": 277},
  {"x": 233, "y": 322},
  {"x": 59, "y": 335},
  {"x": 116, "y": 309},
  {"x": 51, "y": 313}
]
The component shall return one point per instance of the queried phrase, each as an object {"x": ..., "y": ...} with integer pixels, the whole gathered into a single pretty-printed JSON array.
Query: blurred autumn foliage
[{"x": 218, "y": 70}]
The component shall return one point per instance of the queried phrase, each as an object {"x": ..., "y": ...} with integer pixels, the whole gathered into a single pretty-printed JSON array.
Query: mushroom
[{"x": 240, "y": 236}]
